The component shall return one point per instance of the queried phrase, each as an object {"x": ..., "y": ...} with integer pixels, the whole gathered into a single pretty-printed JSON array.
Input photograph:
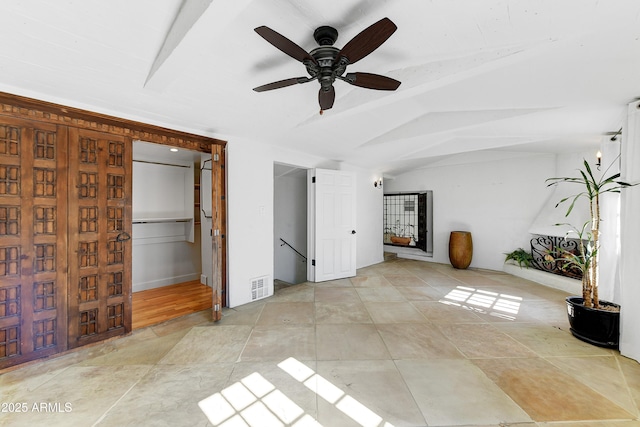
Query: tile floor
[{"x": 405, "y": 343}]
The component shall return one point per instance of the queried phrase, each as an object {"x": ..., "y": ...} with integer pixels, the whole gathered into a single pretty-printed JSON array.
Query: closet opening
[{"x": 172, "y": 266}]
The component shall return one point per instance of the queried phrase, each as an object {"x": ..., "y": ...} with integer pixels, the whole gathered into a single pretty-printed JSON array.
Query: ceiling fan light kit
[{"x": 326, "y": 63}]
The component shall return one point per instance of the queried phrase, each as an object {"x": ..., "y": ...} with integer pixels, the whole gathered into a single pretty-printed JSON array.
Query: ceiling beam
[
  {"x": 188, "y": 14},
  {"x": 184, "y": 40}
]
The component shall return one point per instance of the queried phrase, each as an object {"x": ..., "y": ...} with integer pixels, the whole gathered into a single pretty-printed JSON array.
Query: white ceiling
[{"x": 498, "y": 75}]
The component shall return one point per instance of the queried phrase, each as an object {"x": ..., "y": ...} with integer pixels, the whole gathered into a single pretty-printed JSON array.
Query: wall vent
[{"x": 259, "y": 288}]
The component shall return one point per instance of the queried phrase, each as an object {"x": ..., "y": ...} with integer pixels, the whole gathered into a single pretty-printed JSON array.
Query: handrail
[{"x": 294, "y": 249}]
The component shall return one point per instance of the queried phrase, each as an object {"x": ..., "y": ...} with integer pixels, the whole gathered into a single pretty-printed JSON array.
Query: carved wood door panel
[
  {"x": 100, "y": 186},
  {"x": 33, "y": 240}
]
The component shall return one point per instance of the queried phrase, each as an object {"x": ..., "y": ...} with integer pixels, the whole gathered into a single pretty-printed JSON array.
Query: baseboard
[
  {"x": 143, "y": 286},
  {"x": 571, "y": 286},
  {"x": 409, "y": 252}
]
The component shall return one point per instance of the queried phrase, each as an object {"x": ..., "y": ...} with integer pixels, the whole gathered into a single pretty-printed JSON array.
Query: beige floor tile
[
  {"x": 268, "y": 343},
  {"x": 480, "y": 281},
  {"x": 244, "y": 315},
  {"x": 184, "y": 323},
  {"x": 379, "y": 294},
  {"x": 294, "y": 293},
  {"x": 144, "y": 350},
  {"x": 428, "y": 273},
  {"x": 455, "y": 392},
  {"x": 275, "y": 388},
  {"x": 442, "y": 281},
  {"x": 631, "y": 371},
  {"x": 521, "y": 293},
  {"x": 369, "y": 281},
  {"x": 419, "y": 293},
  {"x": 462, "y": 273},
  {"x": 208, "y": 344},
  {"x": 490, "y": 304},
  {"x": 404, "y": 280},
  {"x": 417, "y": 341},
  {"x": 545, "y": 292},
  {"x": 339, "y": 283},
  {"x": 546, "y": 393},
  {"x": 336, "y": 295},
  {"x": 507, "y": 310},
  {"x": 349, "y": 342},
  {"x": 441, "y": 312},
  {"x": 482, "y": 340},
  {"x": 286, "y": 313},
  {"x": 394, "y": 312},
  {"x": 602, "y": 374},
  {"x": 80, "y": 395},
  {"x": 369, "y": 390},
  {"x": 169, "y": 395},
  {"x": 549, "y": 341},
  {"x": 509, "y": 361},
  {"x": 367, "y": 271},
  {"x": 391, "y": 268},
  {"x": 340, "y": 313},
  {"x": 593, "y": 424},
  {"x": 27, "y": 379}
]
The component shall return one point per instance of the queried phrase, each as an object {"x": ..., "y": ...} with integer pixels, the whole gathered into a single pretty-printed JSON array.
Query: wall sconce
[
  {"x": 378, "y": 183},
  {"x": 598, "y": 160}
]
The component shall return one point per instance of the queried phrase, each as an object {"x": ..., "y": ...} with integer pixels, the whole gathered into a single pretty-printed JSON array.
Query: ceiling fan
[{"x": 327, "y": 63}]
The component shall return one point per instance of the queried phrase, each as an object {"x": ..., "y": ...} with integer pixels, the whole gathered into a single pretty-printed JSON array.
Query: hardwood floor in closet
[{"x": 168, "y": 302}]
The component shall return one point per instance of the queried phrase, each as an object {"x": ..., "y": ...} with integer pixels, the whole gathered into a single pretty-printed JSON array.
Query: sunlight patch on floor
[
  {"x": 255, "y": 402},
  {"x": 486, "y": 302}
]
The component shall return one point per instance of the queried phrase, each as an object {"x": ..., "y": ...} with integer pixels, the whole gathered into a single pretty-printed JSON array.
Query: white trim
[{"x": 571, "y": 286}]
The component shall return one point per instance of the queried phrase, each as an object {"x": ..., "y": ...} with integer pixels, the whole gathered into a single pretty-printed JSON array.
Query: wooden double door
[{"x": 65, "y": 249}]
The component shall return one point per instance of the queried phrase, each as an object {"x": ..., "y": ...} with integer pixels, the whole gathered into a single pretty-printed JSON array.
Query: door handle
[
  {"x": 353, "y": 231},
  {"x": 123, "y": 237}
]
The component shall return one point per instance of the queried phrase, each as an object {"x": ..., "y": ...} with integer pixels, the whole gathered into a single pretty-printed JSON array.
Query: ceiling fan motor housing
[
  {"x": 325, "y": 35},
  {"x": 325, "y": 57}
]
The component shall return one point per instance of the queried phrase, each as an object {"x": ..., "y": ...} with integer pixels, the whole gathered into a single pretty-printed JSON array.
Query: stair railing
[{"x": 292, "y": 248}]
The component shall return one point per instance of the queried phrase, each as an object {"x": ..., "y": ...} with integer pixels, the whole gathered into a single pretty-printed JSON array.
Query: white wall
[
  {"x": 250, "y": 195},
  {"x": 369, "y": 217},
  {"x": 163, "y": 262},
  {"x": 494, "y": 195},
  {"x": 567, "y": 165},
  {"x": 629, "y": 236},
  {"x": 290, "y": 224}
]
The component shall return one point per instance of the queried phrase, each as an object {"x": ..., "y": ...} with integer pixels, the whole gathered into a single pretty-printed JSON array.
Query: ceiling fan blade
[
  {"x": 284, "y": 44},
  {"x": 326, "y": 98},
  {"x": 281, "y": 83},
  {"x": 372, "y": 81},
  {"x": 368, "y": 40}
]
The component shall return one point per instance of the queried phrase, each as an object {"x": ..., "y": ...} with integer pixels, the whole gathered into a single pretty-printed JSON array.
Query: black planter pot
[{"x": 595, "y": 326}]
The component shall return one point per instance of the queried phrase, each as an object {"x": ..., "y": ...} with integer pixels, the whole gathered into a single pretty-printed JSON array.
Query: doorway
[
  {"x": 172, "y": 261},
  {"x": 290, "y": 225}
]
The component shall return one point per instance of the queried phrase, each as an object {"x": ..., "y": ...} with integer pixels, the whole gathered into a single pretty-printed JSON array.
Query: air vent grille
[{"x": 258, "y": 288}]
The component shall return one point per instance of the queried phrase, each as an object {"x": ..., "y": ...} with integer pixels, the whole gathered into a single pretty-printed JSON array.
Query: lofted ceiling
[{"x": 477, "y": 75}]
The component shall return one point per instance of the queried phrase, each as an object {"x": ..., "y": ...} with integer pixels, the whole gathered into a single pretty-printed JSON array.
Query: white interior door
[{"x": 333, "y": 222}]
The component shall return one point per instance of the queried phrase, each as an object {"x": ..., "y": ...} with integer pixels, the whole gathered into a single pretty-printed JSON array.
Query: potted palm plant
[{"x": 591, "y": 319}]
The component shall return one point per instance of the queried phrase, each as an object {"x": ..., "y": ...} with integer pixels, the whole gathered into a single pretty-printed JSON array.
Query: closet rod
[{"x": 162, "y": 164}]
